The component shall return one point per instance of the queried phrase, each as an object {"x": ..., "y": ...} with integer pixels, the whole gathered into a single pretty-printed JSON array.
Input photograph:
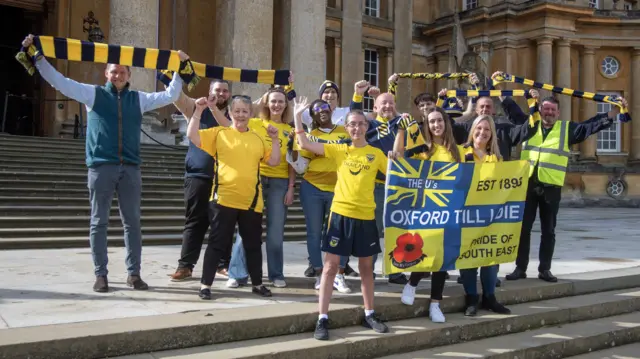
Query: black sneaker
[
  {"x": 471, "y": 305},
  {"x": 447, "y": 276},
  {"x": 261, "y": 291},
  {"x": 101, "y": 285},
  {"x": 398, "y": 279},
  {"x": 372, "y": 321},
  {"x": 546, "y": 276},
  {"x": 517, "y": 274},
  {"x": 349, "y": 272},
  {"x": 492, "y": 304},
  {"x": 310, "y": 272},
  {"x": 322, "y": 329},
  {"x": 205, "y": 293}
]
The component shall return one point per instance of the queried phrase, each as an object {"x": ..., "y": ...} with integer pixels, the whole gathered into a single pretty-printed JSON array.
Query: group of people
[{"x": 244, "y": 157}]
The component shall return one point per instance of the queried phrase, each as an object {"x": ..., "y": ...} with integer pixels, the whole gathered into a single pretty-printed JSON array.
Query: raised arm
[
  {"x": 83, "y": 93},
  {"x": 301, "y": 105},
  {"x": 150, "y": 101},
  {"x": 221, "y": 119},
  {"x": 274, "y": 159},
  {"x": 194, "y": 124}
]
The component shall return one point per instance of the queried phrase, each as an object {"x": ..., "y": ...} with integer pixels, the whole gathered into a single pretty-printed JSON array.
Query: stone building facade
[{"x": 590, "y": 45}]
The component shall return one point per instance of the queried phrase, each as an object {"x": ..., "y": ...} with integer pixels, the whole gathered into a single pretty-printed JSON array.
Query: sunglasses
[{"x": 317, "y": 108}]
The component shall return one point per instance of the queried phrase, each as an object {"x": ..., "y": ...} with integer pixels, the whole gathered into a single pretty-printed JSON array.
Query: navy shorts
[{"x": 351, "y": 237}]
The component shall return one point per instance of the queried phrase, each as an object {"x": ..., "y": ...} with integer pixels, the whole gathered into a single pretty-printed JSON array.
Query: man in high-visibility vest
[{"x": 548, "y": 153}]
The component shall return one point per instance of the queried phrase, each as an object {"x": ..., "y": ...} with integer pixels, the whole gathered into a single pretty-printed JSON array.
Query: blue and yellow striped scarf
[
  {"x": 166, "y": 61},
  {"x": 613, "y": 100}
]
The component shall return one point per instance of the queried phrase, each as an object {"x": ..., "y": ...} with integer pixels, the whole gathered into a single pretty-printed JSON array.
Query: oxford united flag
[{"x": 442, "y": 216}]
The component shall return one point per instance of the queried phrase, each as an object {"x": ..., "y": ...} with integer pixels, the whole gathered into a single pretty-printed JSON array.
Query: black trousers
[
  {"x": 223, "y": 224},
  {"x": 437, "y": 282},
  {"x": 548, "y": 200},
  {"x": 197, "y": 192}
]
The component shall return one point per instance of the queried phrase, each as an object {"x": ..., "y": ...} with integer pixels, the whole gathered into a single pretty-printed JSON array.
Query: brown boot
[
  {"x": 136, "y": 282},
  {"x": 181, "y": 274},
  {"x": 101, "y": 285}
]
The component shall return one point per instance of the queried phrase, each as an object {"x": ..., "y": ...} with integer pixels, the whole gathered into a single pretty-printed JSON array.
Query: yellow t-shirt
[
  {"x": 238, "y": 156},
  {"x": 440, "y": 154},
  {"x": 357, "y": 170},
  {"x": 322, "y": 171},
  {"x": 260, "y": 127},
  {"x": 486, "y": 159}
]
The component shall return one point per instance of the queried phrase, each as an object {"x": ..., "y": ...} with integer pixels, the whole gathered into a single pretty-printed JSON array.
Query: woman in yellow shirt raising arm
[
  {"x": 236, "y": 197},
  {"x": 439, "y": 145},
  {"x": 352, "y": 227},
  {"x": 482, "y": 147},
  {"x": 277, "y": 184}
]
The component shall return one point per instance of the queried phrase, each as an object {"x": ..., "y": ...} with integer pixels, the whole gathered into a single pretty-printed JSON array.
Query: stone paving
[{"x": 40, "y": 287}]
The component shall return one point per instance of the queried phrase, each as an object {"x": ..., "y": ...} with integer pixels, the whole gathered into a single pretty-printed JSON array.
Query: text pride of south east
[{"x": 444, "y": 216}]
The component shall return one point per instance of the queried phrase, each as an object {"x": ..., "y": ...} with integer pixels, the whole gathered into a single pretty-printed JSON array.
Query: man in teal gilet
[{"x": 114, "y": 119}]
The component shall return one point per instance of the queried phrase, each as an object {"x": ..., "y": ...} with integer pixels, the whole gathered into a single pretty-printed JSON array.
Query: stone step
[
  {"x": 53, "y": 232},
  {"x": 58, "y": 176},
  {"x": 558, "y": 341},
  {"x": 30, "y": 163},
  {"x": 170, "y": 172},
  {"x": 78, "y": 184},
  {"x": 79, "y": 157},
  {"x": 85, "y": 210},
  {"x": 22, "y": 192},
  {"x": 284, "y": 330},
  {"x": 75, "y": 144},
  {"x": 10, "y": 222},
  {"x": 115, "y": 240},
  {"x": 629, "y": 351},
  {"x": 84, "y": 200}
]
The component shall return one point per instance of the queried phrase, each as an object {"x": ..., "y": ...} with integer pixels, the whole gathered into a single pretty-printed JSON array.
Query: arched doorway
[{"x": 20, "y": 94}]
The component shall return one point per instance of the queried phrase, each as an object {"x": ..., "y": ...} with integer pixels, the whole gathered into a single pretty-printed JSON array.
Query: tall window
[
  {"x": 372, "y": 7},
  {"x": 371, "y": 66},
  {"x": 609, "y": 139},
  {"x": 628, "y": 5},
  {"x": 470, "y": 4},
  {"x": 595, "y": 4}
]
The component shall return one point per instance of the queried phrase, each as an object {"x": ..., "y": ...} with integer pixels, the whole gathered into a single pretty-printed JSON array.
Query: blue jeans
[
  {"x": 316, "y": 205},
  {"x": 488, "y": 279},
  {"x": 273, "y": 192},
  {"x": 378, "y": 196},
  {"x": 126, "y": 181},
  {"x": 238, "y": 264}
]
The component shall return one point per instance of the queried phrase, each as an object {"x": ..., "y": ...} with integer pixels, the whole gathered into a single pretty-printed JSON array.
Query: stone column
[
  {"x": 337, "y": 55},
  {"x": 544, "y": 70},
  {"x": 403, "y": 43},
  {"x": 304, "y": 43},
  {"x": 135, "y": 23},
  {"x": 588, "y": 108},
  {"x": 563, "y": 76},
  {"x": 244, "y": 34},
  {"x": 352, "y": 63},
  {"x": 635, "y": 105},
  {"x": 384, "y": 76},
  {"x": 442, "y": 66}
]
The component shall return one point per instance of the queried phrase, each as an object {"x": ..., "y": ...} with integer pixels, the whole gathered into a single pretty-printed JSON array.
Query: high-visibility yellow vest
[{"x": 551, "y": 155}]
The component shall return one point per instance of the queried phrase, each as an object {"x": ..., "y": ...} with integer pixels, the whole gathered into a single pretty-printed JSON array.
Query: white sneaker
[
  {"x": 317, "y": 285},
  {"x": 435, "y": 314},
  {"x": 279, "y": 283},
  {"x": 408, "y": 294},
  {"x": 232, "y": 283},
  {"x": 340, "y": 284}
]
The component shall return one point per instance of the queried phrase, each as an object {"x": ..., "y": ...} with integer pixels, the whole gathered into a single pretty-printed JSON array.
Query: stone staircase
[
  {"x": 44, "y": 198},
  {"x": 589, "y": 315}
]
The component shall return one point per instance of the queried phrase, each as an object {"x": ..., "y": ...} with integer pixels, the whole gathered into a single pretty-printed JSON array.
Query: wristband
[
  {"x": 299, "y": 132},
  {"x": 356, "y": 98}
]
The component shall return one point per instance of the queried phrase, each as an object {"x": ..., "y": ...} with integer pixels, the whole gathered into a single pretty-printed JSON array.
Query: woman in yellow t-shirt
[
  {"x": 439, "y": 145},
  {"x": 482, "y": 147},
  {"x": 277, "y": 183},
  {"x": 316, "y": 188},
  {"x": 352, "y": 226}
]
